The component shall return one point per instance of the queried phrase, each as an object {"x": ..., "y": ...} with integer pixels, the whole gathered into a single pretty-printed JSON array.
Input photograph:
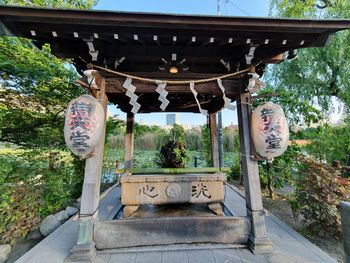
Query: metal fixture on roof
[{"x": 173, "y": 66}]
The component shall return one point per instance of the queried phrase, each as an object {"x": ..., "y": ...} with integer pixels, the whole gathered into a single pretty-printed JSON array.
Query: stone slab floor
[{"x": 289, "y": 246}]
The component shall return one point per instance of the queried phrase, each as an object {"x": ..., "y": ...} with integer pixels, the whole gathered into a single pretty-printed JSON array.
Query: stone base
[
  {"x": 129, "y": 209},
  {"x": 82, "y": 253},
  {"x": 260, "y": 245},
  {"x": 176, "y": 230},
  {"x": 216, "y": 208},
  {"x": 155, "y": 189}
]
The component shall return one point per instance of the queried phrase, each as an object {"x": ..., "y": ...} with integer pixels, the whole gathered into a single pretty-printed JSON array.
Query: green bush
[
  {"x": 329, "y": 143},
  {"x": 32, "y": 186},
  {"x": 318, "y": 192},
  {"x": 173, "y": 155},
  {"x": 280, "y": 171}
]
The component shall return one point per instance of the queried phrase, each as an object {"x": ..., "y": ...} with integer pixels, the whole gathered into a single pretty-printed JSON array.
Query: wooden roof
[{"x": 140, "y": 43}]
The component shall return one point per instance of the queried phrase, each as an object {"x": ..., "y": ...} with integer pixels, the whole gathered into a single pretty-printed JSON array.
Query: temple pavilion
[{"x": 149, "y": 62}]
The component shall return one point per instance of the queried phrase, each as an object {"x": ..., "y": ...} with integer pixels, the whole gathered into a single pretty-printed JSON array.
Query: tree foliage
[
  {"x": 35, "y": 86},
  {"x": 329, "y": 143},
  {"x": 305, "y": 85},
  {"x": 78, "y": 4}
]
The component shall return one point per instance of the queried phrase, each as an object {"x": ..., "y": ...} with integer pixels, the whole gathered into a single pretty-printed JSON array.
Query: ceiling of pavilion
[{"x": 149, "y": 44}]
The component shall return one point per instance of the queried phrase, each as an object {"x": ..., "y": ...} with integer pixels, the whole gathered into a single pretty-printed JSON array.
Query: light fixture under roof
[{"x": 173, "y": 66}]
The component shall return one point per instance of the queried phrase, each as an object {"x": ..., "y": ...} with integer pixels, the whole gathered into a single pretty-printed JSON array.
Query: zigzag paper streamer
[
  {"x": 227, "y": 101},
  {"x": 130, "y": 89},
  {"x": 251, "y": 83},
  {"x": 204, "y": 112},
  {"x": 162, "y": 95}
]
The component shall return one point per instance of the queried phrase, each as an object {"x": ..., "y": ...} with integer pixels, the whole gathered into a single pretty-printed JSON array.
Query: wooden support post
[
  {"x": 258, "y": 240},
  {"x": 220, "y": 138},
  {"x": 129, "y": 140},
  {"x": 85, "y": 250},
  {"x": 214, "y": 140}
]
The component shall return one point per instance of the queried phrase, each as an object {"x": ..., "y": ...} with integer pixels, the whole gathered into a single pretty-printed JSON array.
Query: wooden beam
[
  {"x": 129, "y": 140},
  {"x": 189, "y": 170},
  {"x": 84, "y": 250},
  {"x": 93, "y": 166},
  {"x": 258, "y": 240},
  {"x": 214, "y": 140},
  {"x": 165, "y": 75},
  {"x": 115, "y": 86}
]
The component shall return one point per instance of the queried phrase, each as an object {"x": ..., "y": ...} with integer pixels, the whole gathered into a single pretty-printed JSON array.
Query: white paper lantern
[
  {"x": 269, "y": 130},
  {"x": 83, "y": 125}
]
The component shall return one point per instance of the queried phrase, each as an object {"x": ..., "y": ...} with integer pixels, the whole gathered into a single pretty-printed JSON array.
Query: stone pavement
[{"x": 289, "y": 246}]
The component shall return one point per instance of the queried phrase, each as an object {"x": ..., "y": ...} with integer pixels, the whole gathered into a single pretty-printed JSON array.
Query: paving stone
[
  {"x": 289, "y": 246},
  {"x": 248, "y": 257},
  {"x": 149, "y": 257},
  {"x": 200, "y": 256},
  {"x": 122, "y": 258},
  {"x": 63, "y": 241},
  {"x": 5, "y": 251},
  {"x": 287, "y": 258},
  {"x": 175, "y": 257},
  {"x": 103, "y": 258},
  {"x": 226, "y": 256}
]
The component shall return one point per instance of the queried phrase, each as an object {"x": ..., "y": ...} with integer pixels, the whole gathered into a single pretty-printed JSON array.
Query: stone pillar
[
  {"x": 345, "y": 223},
  {"x": 129, "y": 140},
  {"x": 214, "y": 140},
  {"x": 258, "y": 241},
  {"x": 85, "y": 250}
]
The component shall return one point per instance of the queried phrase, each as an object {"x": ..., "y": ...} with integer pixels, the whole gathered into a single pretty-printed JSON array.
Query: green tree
[
  {"x": 78, "y": 4},
  {"x": 35, "y": 86},
  {"x": 35, "y": 89},
  {"x": 308, "y": 82},
  {"x": 177, "y": 133}
]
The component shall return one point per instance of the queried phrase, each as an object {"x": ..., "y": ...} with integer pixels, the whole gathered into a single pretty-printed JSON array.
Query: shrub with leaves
[
  {"x": 318, "y": 192},
  {"x": 173, "y": 155},
  {"x": 280, "y": 171},
  {"x": 31, "y": 188}
]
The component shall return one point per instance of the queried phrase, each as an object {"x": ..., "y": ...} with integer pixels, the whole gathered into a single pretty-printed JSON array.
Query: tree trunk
[{"x": 269, "y": 183}]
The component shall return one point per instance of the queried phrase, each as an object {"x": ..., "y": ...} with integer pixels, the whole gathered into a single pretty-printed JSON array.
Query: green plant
[
  {"x": 280, "y": 171},
  {"x": 173, "y": 155},
  {"x": 329, "y": 143},
  {"x": 206, "y": 145},
  {"x": 306, "y": 85},
  {"x": 318, "y": 192},
  {"x": 32, "y": 187}
]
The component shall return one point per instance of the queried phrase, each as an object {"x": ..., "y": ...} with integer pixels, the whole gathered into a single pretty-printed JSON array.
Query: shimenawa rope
[{"x": 156, "y": 81}]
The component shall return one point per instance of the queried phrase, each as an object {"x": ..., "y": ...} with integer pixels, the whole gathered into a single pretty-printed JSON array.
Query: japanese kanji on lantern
[
  {"x": 269, "y": 130},
  {"x": 83, "y": 126}
]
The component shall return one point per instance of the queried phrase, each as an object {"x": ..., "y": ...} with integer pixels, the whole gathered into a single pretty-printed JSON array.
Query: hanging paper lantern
[
  {"x": 83, "y": 125},
  {"x": 269, "y": 130}
]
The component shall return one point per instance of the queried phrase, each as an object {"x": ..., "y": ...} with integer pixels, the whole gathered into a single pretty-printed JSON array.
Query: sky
[{"x": 205, "y": 7}]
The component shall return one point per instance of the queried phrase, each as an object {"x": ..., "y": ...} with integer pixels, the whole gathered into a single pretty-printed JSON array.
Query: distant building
[{"x": 172, "y": 118}]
